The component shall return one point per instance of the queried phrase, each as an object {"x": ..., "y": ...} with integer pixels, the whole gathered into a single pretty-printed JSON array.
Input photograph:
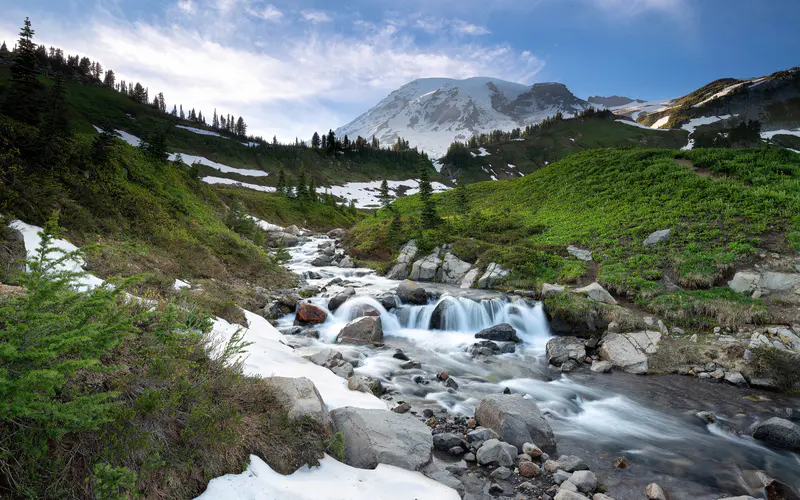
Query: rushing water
[{"x": 650, "y": 420}]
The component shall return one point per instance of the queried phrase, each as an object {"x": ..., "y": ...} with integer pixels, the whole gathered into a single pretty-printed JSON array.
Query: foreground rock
[
  {"x": 300, "y": 397},
  {"x": 580, "y": 254},
  {"x": 561, "y": 350},
  {"x": 400, "y": 269},
  {"x": 655, "y": 492},
  {"x": 453, "y": 269},
  {"x": 499, "y": 333},
  {"x": 496, "y": 452},
  {"x": 375, "y": 437},
  {"x": 597, "y": 293},
  {"x": 493, "y": 275},
  {"x": 779, "y": 433},
  {"x": 337, "y": 300},
  {"x": 309, "y": 314},
  {"x": 657, "y": 237},
  {"x": 516, "y": 420},
  {"x": 425, "y": 268},
  {"x": 628, "y": 351},
  {"x": 279, "y": 239},
  {"x": 411, "y": 293},
  {"x": 363, "y": 330}
]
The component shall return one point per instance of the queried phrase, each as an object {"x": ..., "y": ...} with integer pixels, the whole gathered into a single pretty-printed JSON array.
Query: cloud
[
  {"x": 268, "y": 13},
  {"x": 466, "y": 28},
  {"x": 315, "y": 16},
  {"x": 186, "y": 6}
]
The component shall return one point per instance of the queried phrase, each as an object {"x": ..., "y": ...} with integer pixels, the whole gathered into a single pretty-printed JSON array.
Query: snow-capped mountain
[{"x": 431, "y": 113}]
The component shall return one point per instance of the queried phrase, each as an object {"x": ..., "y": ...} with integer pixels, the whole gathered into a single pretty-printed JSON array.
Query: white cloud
[
  {"x": 268, "y": 13},
  {"x": 186, "y": 6},
  {"x": 630, "y": 8},
  {"x": 429, "y": 24},
  {"x": 315, "y": 16},
  {"x": 466, "y": 28}
]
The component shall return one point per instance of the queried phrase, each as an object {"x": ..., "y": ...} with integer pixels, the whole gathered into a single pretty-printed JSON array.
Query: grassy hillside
[
  {"x": 554, "y": 142},
  {"x": 721, "y": 205}
]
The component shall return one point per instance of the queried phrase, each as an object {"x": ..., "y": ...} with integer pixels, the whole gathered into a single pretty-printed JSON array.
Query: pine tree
[
  {"x": 315, "y": 141},
  {"x": 215, "y": 120},
  {"x": 324, "y": 142},
  {"x": 4, "y": 53},
  {"x": 384, "y": 196},
  {"x": 182, "y": 115},
  {"x": 301, "y": 191},
  {"x": 103, "y": 144},
  {"x": 174, "y": 110},
  {"x": 352, "y": 207},
  {"x": 109, "y": 79},
  {"x": 154, "y": 145},
  {"x": 462, "y": 203},
  {"x": 312, "y": 190},
  {"x": 55, "y": 121},
  {"x": 22, "y": 96},
  {"x": 281, "y": 186},
  {"x": 429, "y": 217},
  {"x": 162, "y": 104},
  {"x": 241, "y": 127},
  {"x": 331, "y": 141}
]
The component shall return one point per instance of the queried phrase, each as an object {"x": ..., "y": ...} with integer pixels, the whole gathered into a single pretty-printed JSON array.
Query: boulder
[
  {"x": 447, "y": 440},
  {"x": 571, "y": 463},
  {"x": 425, "y": 268},
  {"x": 763, "y": 283},
  {"x": 309, "y": 314},
  {"x": 745, "y": 282},
  {"x": 499, "y": 333},
  {"x": 438, "y": 315},
  {"x": 565, "y": 322},
  {"x": 735, "y": 378},
  {"x": 300, "y": 397},
  {"x": 601, "y": 366},
  {"x": 410, "y": 292},
  {"x": 323, "y": 357},
  {"x": 496, "y": 452},
  {"x": 481, "y": 434},
  {"x": 293, "y": 230},
  {"x": 337, "y": 233},
  {"x": 339, "y": 299},
  {"x": 375, "y": 437},
  {"x": 389, "y": 301},
  {"x": 400, "y": 269},
  {"x": 580, "y": 254},
  {"x": 779, "y": 433},
  {"x": 362, "y": 330},
  {"x": 550, "y": 290},
  {"x": 452, "y": 270},
  {"x": 516, "y": 420},
  {"x": 629, "y": 351},
  {"x": 364, "y": 384},
  {"x": 585, "y": 480},
  {"x": 559, "y": 350},
  {"x": 322, "y": 260},
  {"x": 779, "y": 282},
  {"x": 280, "y": 239},
  {"x": 597, "y": 293},
  {"x": 657, "y": 237},
  {"x": 347, "y": 263},
  {"x": 655, "y": 492},
  {"x": 494, "y": 273},
  {"x": 470, "y": 277}
]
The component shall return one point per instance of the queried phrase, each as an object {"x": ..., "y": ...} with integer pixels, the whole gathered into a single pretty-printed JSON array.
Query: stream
[{"x": 650, "y": 420}]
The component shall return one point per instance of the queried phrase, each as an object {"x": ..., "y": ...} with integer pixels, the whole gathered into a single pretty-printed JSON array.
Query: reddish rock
[
  {"x": 529, "y": 469},
  {"x": 309, "y": 314}
]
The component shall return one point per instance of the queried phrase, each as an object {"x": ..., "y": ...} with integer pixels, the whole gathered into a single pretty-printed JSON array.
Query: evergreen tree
[
  {"x": 4, "y": 53},
  {"x": 22, "y": 96},
  {"x": 241, "y": 127},
  {"x": 281, "y": 186},
  {"x": 429, "y": 217},
  {"x": 324, "y": 142},
  {"x": 395, "y": 229},
  {"x": 331, "y": 141},
  {"x": 154, "y": 145},
  {"x": 55, "y": 121},
  {"x": 109, "y": 79},
  {"x": 301, "y": 191},
  {"x": 139, "y": 94},
  {"x": 352, "y": 207},
  {"x": 162, "y": 104},
  {"x": 103, "y": 144},
  {"x": 462, "y": 203},
  {"x": 312, "y": 190},
  {"x": 215, "y": 120},
  {"x": 315, "y": 141},
  {"x": 182, "y": 115},
  {"x": 384, "y": 195},
  {"x": 174, "y": 110}
]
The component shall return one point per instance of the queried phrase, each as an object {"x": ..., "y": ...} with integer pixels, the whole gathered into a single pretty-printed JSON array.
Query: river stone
[
  {"x": 580, "y": 254},
  {"x": 363, "y": 330},
  {"x": 601, "y": 496},
  {"x": 375, "y": 437},
  {"x": 494, "y": 273},
  {"x": 585, "y": 480},
  {"x": 300, "y": 397},
  {"x": 425, "y": 268},
  {"x": 496, "y": 452},
  {"x": 339, "y": 299},
  {"x": 597, "y": 293},
  {"x": 309, "y": 314},
  {"x": 559, "y": 476},
  {"x": 564, "y": 494},
  {"x": 735, "y": 378},
  {"x": 571, "y": 463},
  {"x": 453, "y": 269},
  {"x": 654, "y": 492},
  {"x": 532, "y": 450},
  {"x": 322, "y": 260},
  {"x": 529, "y": 469},
  {"x": 470, "y": 277},
  {"x": 601, "y": 366},
  {"x": 337, "y": 233},
  {"x": 499, "y": 333},
  {"x": 438, "y": 314},
  {"x": 481, "y": 434},
  {"x": 410, "y": 292},
  {"x": 516, "y": 420},
  {"x": 400, "y": 269},
  {"x": 281, "y": 239},
  {"x": 559, "y": 350},
  {"x": 344, "y": 370},
  {"x": 629, "y": 351},
  {"x": 657, "y": 237},
  {"x": 501, "y": 473},
  {"x": 347, "y": 262},
  {"x": 448, "y": 440},
  {"x": 779, "y": 433},
  {"x": 323, "y": 357}
]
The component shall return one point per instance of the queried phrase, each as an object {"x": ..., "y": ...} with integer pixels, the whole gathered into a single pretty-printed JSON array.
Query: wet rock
[
  {"x": 339, "y": 299},
  {"x": 322, "y": 260},
  {"x": 401, "y": 407},
  {"x": 337, "y": 233},
  {"x": 501, "y": 473},
  {"x": 438, "y": 315},
  {"x": 735, "y": 378},
  {"x": 375, "y": 437},
  {"x": 494, "y": 273},
  {"x": 496, "y": 490},
  {"x": 446, "y": 441},
  {"x": 516, "y": 420},
  {"x": 657, "y": 237},
  {"x": 495, "y": 452},
  {"x": 470, "y": 277},
  {"x": 425, "y": 268},
  {"x": 571, "y": 463},
  {"x": 601, "y": 366},
  {"x": 529, "y": 469},
  {"x": 629, "y": 351},
  {"x": 597, "y": 293},
  {"x": 481, "y": 434},
  {"x": 499, "y": 333},
  {"x": 363, "y": 330},
  {"x": 779, "y": 433},
  {"x": 309, "y": 314},
  {"x": 300, "y": 398},
  {"x": 344, "y": 370},
  {"x": 280, "y": 239},
  {"x": 411, "y": 365},
  {"x": 389, "y": 302},
  {"x": 580, "y": 254},
  {"x": 347, "y": 262},
  {"x": 323, "y": 357},
  {"x": 400, "y": 269},
  {"x": 452, "y": 270},
  {"x": 365, "y": 384},
  {"x": 584, "y": 480},
  {"x": 470, "y": 457},
  {"x": 410, "y": 292},
  {"x": 399, "y": 354},
  {"x": 655, "y": 492},
  {"x": 559, "y": 350}
]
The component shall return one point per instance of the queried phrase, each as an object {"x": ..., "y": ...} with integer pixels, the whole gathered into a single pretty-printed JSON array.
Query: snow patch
[
  {"x": 365, "y": 194},
  {"x": 266, "y": 226},
  {"x": 722, "y": 93},
  {"x": 192, "y": 159},
  {"x": 180, "y": 284},
  {"x": 635, "y": 124},
  {"x": 692, "y": 124},
  {"x": 772, "y": 133},
  {"x": 221, "y": 180},
  {"x": 198, "y": 131},
  {"x": 483, "y": 152},
  {"x": 661, "y": 122}
]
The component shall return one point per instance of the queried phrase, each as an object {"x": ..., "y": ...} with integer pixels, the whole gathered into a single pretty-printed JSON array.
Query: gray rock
[
  {"x": 516, "y": 420},
  {"x": 564, "y": 494},
  {"x": 375, "y": 437},
  {"x": 365, "y": 384},
  {"x": 322, "y": 260},
  {"x": 400, "y": 269},
  {"x": 580, "y": 254},
  {"x": 745, "y": 282},
  {"x": 629, "y": 351},
  {"x": 549, "y": 290},
  {"x": 657, "y": 237},
  {"x": 278, "y": 239},
  {"x": 560, "y": 476},
  {"x": 323, "y": 357},
  {"x": 559, "y": 350},
  {"x": 779, "y": 433},
  {"x": 470, "y": 457},
  {"x": 410, "y": 292},
  {"x": 339, "y": 299},
  {"x": 452, "y": 270},
  {"x": 447, "y": 440},
  {"x": 585, "y": 480},
  {"x": 363, "y": 330},
  {"x": 337, "y": 233},
  {"x": 496, "y": 452},
  {"x": 494, "y": 273},
  {"x": 655, "y": 492},
  {"x": 402, "y": 407},
  {"x": 293, "y": 230},
  {"x": 300, "y": 397},
  {"x": 735, "y": 378},
  {"x": 571, "y": 463},
  {"x": 601, "y": 496},
  {"x": 501, "y": 473},
  {"x": 438, "y": 315},
  {"x": 601, "y": 366},
  {"x": 344, "y": 370},
  {"x": 470, "y": 277},
  {"x": 779, "y": 282},
  {"x": 597, "y": 293},
  {"x": 742, "y": 497},
  {"x": 481, "y": 434},
  {"x": 532, "y": 450},
  {"x": 425, "y": 268},
  {"x": 499, "y": 333},
  {"x": 347, "y": 263}
]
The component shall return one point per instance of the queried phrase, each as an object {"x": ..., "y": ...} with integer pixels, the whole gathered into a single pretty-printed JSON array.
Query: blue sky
[{"x": 293, "y": 67}]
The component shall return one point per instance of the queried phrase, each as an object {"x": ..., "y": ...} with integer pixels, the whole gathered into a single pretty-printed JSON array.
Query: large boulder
[
  {"x": 494, "y": 273},
  {"x": 347, "y": 262},
  {"x": 363, "y": 330},
  {"x": 322, "y": 260},
  {"x": 597, "y": 293},
  {"x": 748, "y": 282},
  {"x": 470, "y": 277},
  {"x": 516, "y": 420},
  {"x": 375, "y": 437},
  {"x": 337, "y": 233},
  {"x": 657, "y": 237},
  {"x": 580, "y": 254},
  {"x": 779, "y": 433},
  {"x": 499, "y": 333},
  {"x": 281, "y": 239},
  {"x": 584, "y": 322},
  {"x": 745, "y": 282},
  {"x": 339, "y": 299},
  {"x": 410, "y": 292},
  {"x": 438, "y": 315},
  {"x": 300, "y": 397},
  {"x": 550, "y": 290},
  {"x": 425, "y": 268},
  {"x": 400, "y": 269},
  {"x": 293, "y": 230},
  {"x": 309, "y": 314},
  {"x": 452, "y": 270},
  {"x": 628, "y": 351},
  {"x": 562, "y": 349}
]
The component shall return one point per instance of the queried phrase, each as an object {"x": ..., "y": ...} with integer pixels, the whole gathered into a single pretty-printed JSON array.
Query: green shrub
[{"x": 113, "y": 483}]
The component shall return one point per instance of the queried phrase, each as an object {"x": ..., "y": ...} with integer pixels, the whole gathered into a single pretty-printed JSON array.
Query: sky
[{"x": 292, "y": 67}]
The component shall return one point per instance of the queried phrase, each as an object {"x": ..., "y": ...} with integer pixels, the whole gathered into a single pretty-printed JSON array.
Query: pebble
[
  {"x": 501, "y": 473},
  {"x": 655, "y": 492},
  {"x": 529, "y": 469},
  {"x": 531, "y": 450},
  {"x": 469, "y": 457},
  {"x": 584, "y": 480},
  {"x": 561, "y": 476}
]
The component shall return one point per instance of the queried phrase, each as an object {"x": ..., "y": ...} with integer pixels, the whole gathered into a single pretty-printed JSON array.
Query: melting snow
[
  {"x": 692, "y": 124},
  {"x": 192, "y": 159},
  {"x": 365, "y": 194},
  {"x": 180, "y": 284},
  {"x": 635, "y": 124},
  {"x": 661, "y": 122},
  {"x": 722, "y": 93},
  {"x": 221, "y": 180},
  {"x": 198, "y": 130},
  {"x": 483, "y": 152},
  {"x": 266, "y": 226},
  {"x": 773, "y": 133}
]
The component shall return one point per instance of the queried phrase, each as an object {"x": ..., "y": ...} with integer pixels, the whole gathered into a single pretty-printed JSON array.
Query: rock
[
  {"x": 425, "y": 268},
  {"x": 516, "y": 420},
  {"x": 339, "y": 299},
  {"x": 375, "y": 437},
  {"x": 496, "y": 452},
  {"x": 629, "y": 351},
  {"x": 309, "y": 314},
  {"x": 494, "y": 273},
  {"x": 601, "y": 366},
  {"x": 718, "y": 374},
  {"x": 743, "y": 497},
  {"x": 601, "y": 496},
  {"x": 529, "y": 469},
  {"x": 549, "y": 290},
  {"x": 571, "y": 463},
  {"x": 450, "y": 383},
  {"x": 779, "y": 282},
  {"x": 363, "y": 330},
  {"x": 399, "y": 354},
  {"x": 456, "y": 451},
  {"x": 499, "y": 333},
  {"x": 401, "y": 407},
  {"x": 470, "y": 277},
  {"x": 324, "y": 357},
  {"x": 495, "y": 490},
  {"x": 293, "y": 230},
  {"x": 753, "y": 281},
  {"x": 584, "y": 255},
  {"x": 438, "y": 315},
  {"x": 559, "y": 350},
  {"x": 411, "y": 365},
  {"x": 568, "y": 495},
  {"x": 300, "y": 397},
  {"x": 693, "y": 338},
  {"x": 560, "y": 476},
  {"x": 501, "y": 473},
  {"x": 481, "y": 434},
  {"x": 452, "y": 270},
  {"x": 347, "y": 263},
  {"x": 744, "y": 282},
  {"x": 568, "y": 486},
  {"x": 389, "y": 301},
  {"x": 344, "y": 370},
  {"x": 657, "y": 237},
  {"x": 597, "y": 293},
  {"x": 585, "y": 480},
  {"x": 532, "y": 450},
  {"x": 337, "y": 233},
  {"x": 654, "y": 492},
  {"x": 551, "y": 466},
  {"x": 410, "y": 292},
  {"x": 779, "y": 433},
  {"x": 365, "y": 384},
  {"x": 281, "y": 239},
  {"x": 400, "y": 269},
  {"x": 470, "y": 457},
  {"x": 447, "y": 440},
  {"x": 735, "y": 378},
  {"x": 587, "y": 322},
  {"x": 322, "y": 261}
]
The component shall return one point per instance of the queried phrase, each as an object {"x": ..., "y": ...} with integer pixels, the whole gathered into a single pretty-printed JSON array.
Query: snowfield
[
  {"x": 192, "y": 159},
  {"x": 365, "y": 194},
  {"x": 222, "y": 180},
  {"x": 772, "y": 133},
  {"x": 692, "y": 125},
  {"x": 635, "y": 124},
  {"x": 199, "y": 131},
  {"x": 722, "y": 93},
  {"x": 661, "y": 122}
]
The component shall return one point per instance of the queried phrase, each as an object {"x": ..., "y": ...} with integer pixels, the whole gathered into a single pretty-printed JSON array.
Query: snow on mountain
[{"x": 431, "y": 113}]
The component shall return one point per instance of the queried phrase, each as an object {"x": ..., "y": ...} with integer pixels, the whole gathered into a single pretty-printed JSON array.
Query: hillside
[{"x": 433, "y": 112}]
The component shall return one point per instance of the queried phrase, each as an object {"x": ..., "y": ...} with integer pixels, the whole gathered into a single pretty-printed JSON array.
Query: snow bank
[
  {"x": 192, "y": 159},
  {"x": 772, "y": 133},
  {"x": 635, "y": 124},
  {"x": 332, "y": 480},
  {"x": 722, "y": 93},
  {"x": 33, "y": 241},
  {"x": 365, "y": 194},
  {"x": 221, "y": 180},
  {"x": 198, "y": 131},
  {"x": 180, "y": 284},
  {"x": 266, "y": 226},
  {"x": 661, "y": 122},
  {"x": 483, "y": 152}
]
